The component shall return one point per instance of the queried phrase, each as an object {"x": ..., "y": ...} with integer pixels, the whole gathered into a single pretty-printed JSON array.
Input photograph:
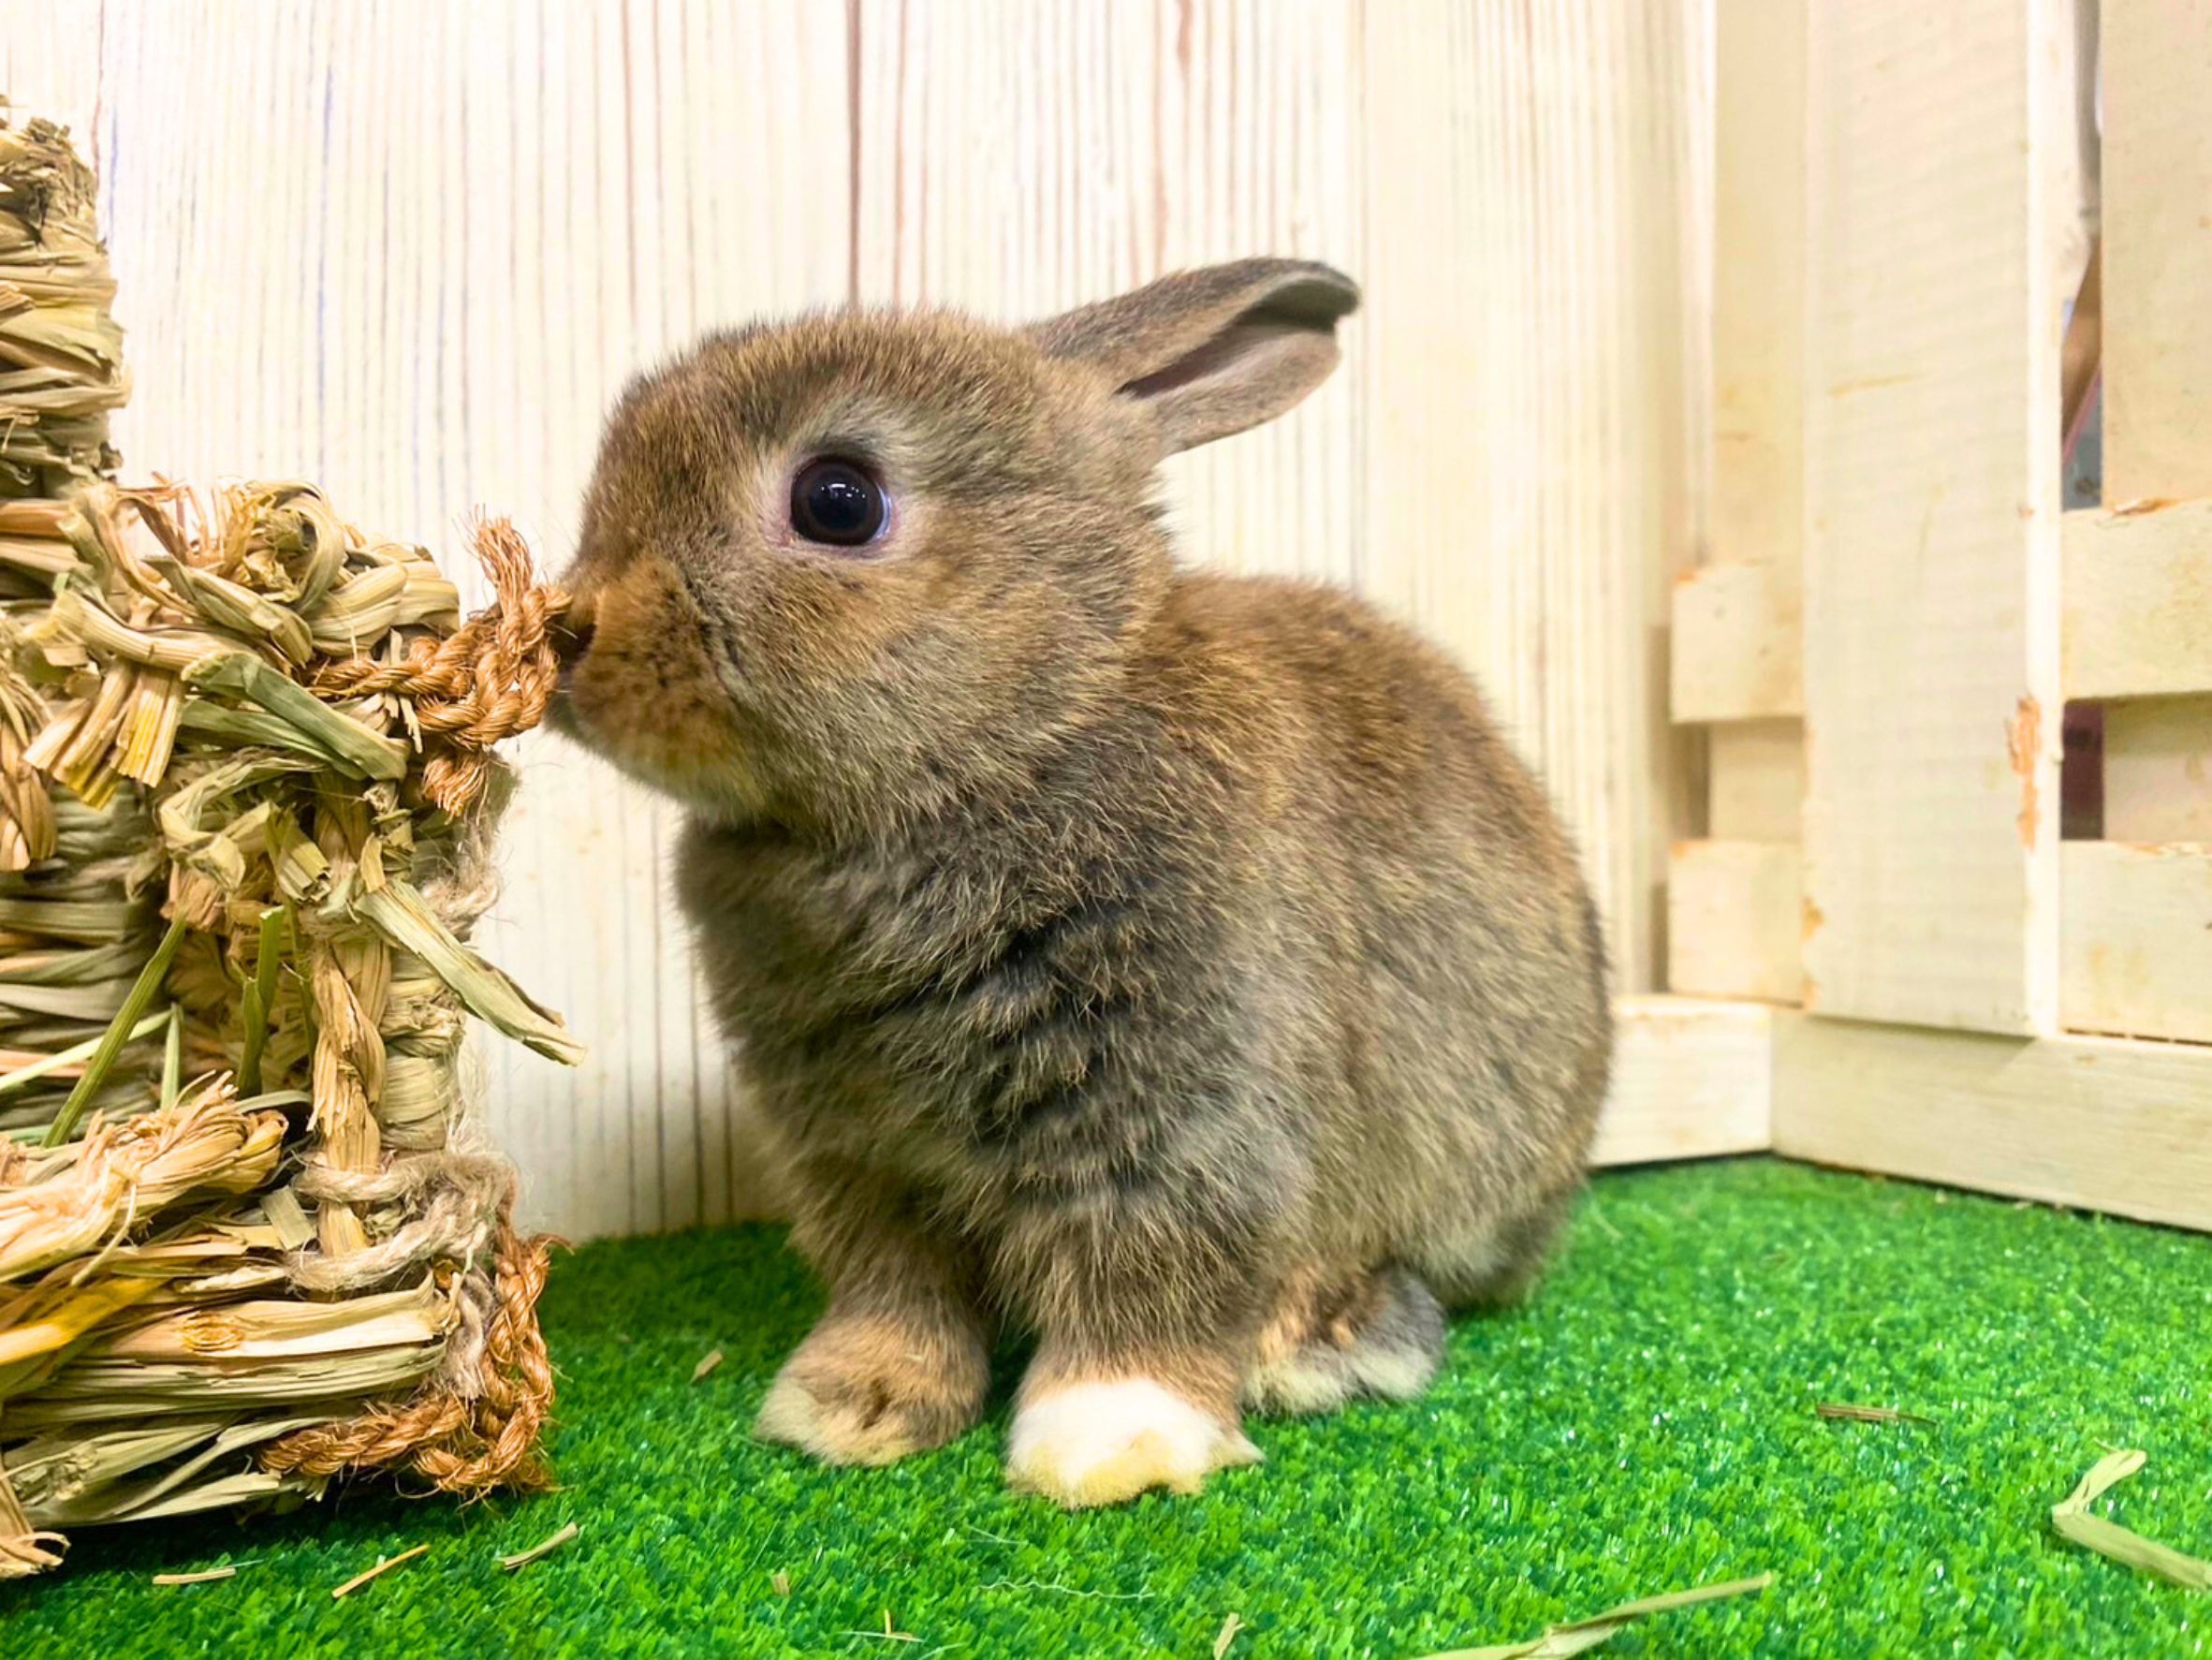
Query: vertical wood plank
[
  {"x": 1536, "y": 194},
  {"x": 1759, "y": 284},
  {"x": 1016, "y": 163},
  {"x": 1734, "y": 903},
  {"x": 1931, "y": 622},
  {"x": 2157, "y": 375},
  {"x": 1448, "y": 395},
  {"x": 2157, "y": 63}
]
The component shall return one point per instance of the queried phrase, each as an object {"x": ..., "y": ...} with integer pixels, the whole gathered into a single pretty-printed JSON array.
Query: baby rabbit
[{"x": 1176, "y": 966}]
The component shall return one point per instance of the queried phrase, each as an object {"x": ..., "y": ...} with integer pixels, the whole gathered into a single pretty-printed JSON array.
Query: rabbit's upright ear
[{"x": 1212, "y": 351}]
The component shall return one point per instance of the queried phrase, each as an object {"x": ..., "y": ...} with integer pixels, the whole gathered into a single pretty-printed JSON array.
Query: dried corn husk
[{"x": 248, "y": 1241}]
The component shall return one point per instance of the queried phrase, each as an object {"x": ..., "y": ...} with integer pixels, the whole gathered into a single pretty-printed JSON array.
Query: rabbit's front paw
[
  {"x": 866, "y": 1390},
  {"x": 1102, "y": 1442}
]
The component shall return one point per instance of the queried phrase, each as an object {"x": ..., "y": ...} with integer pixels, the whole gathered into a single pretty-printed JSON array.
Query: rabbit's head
[{"x": 861, "y": 564}]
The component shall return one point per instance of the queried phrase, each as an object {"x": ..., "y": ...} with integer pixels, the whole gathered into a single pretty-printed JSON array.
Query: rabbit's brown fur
[{"x": 1177, "y": 966}]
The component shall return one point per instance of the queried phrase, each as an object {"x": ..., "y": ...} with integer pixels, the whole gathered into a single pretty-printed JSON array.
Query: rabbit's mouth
[
  {"x": 638, "y": 692},
  {"x": 571, "y": 639},
  {"x": 570, "y": 636}
]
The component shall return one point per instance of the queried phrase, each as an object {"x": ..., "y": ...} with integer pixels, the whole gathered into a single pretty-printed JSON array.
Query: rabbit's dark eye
[{"x": 837, "y": 502}]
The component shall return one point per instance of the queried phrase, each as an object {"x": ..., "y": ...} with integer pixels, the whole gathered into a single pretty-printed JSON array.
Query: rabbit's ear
[{"x": 1214, "y": 351}]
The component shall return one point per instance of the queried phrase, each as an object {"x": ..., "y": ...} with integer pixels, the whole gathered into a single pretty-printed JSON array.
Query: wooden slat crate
[{"x": 1912, "y": 595}]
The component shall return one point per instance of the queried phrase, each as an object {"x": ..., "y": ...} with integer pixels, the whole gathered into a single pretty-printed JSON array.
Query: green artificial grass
[{"x": 1646, "y": 1424}]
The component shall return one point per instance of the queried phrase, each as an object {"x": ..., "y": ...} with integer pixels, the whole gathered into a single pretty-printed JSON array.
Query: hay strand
[
  {"x": 2074, "y": 1521},
  {"x": 205, "y": 1577},
  {"x": 142, "y": 993},
  {"x": 1580, "y": 1636},
  {"x": 544, "y": 1547},
  {"x": 383, "y": 1565},
  {"x": 1851, "y": 1413}
]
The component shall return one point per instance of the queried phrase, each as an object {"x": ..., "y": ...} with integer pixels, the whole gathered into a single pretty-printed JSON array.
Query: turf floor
[{"x": 1646, "y": 1423}]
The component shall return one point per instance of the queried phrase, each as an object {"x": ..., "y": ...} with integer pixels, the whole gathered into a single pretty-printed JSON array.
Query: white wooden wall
[{"x": 411, "y": 249}]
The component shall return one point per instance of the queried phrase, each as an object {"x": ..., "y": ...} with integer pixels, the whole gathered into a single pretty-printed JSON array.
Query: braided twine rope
[{"x": 479, "y": 686}]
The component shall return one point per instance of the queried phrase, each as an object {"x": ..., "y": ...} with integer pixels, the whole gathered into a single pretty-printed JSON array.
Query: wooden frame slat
[
  {"x": 2093, "y": 1122},
  {"x": 2157, "y": 70},
  {"x": 2138, "y": 939},
  {"x": 1755, "y": 780},
  {"x": 1931, "y": 571},
  {"x": 2158, "y": 771},
  {"x": 1735, "y": 645},
  {"x": 2143, "y": 578},
  {"x": 1735, "y": 920},
  {"x": 1690, "y": 1080},
  {"x": 1758, "y": 509},
  {"x": 2139, "y": 601}
]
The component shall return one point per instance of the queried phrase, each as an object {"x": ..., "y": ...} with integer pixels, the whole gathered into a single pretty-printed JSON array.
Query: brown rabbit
[{"x": 1180, "y": 967}]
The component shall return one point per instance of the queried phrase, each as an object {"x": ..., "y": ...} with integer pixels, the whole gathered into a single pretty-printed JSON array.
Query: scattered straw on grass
[
  {"x": 383, "y": 1565},
  {"x": 1230, "y": 1627},
  {"x": 889, "y": 1633},
  {"x": 1580, "y": 1636},
  {"x": 545, "y": 1546},
  {"x": 205, "y": 1577},
  {"x": 713, "y": 1359},
  {"x": 1054, "y": 1590},
  {"x": 2074, "y": 1521},
  {"x": 780, "y": 1582},
  {"x": 1867, "y": 1414}
]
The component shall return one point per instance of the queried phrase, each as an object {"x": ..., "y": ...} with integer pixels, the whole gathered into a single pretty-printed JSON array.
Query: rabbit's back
[{"x": 1450, "y": 951}]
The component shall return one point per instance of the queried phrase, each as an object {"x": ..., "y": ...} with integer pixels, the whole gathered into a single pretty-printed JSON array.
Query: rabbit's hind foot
[{"x": 1330, "y": 1340}]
